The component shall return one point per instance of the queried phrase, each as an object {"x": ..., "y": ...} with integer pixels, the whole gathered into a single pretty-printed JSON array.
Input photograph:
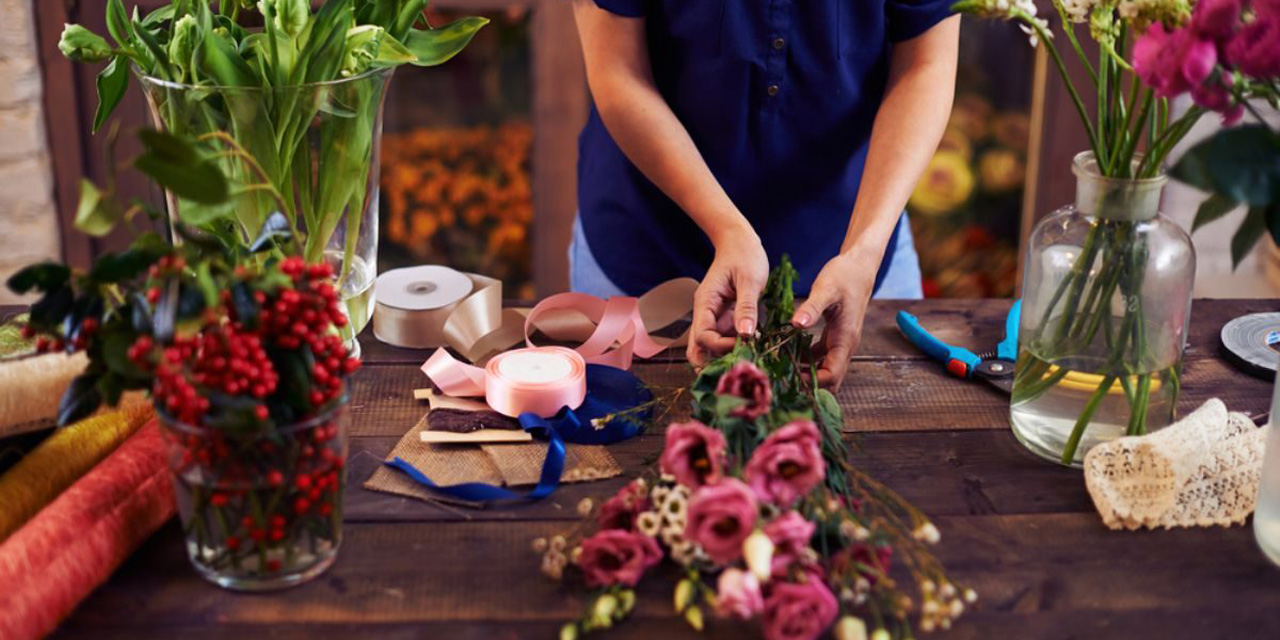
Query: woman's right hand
[{"x": 726, "y": 302}]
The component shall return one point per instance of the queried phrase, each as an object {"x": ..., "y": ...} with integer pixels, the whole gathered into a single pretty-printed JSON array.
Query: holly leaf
[
  {"x": 81, "y": 399},
  {"x": 50, "y": 310},
  {"x": 45, "y": 276},
  {"x": 1250, "y": 231},
  {"x": 1216, "y": 206},
  {"x": 1238, "y": 163}
]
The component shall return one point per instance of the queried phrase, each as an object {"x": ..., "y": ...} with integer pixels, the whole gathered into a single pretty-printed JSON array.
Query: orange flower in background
[
  {"x": 1001, "y": 170},
  {"x": 1012, "y": 129},
  {"x": 955, "y": 141},
  {"x": 970, "y": 115},
  {"x": 946, "y": 184}
]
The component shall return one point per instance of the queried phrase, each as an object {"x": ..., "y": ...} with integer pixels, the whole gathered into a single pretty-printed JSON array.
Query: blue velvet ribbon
[{"x": 610, "y": 391}]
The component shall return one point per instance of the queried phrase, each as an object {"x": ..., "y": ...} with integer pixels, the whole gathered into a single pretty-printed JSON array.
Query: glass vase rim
[
  {"x": 1084, "y": 165},
  {"x": 175, "y": 424},
  {"x": 170, "y": 84}
]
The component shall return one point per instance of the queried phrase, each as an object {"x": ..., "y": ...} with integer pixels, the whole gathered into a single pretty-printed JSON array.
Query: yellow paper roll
[{"x": 61, "y": 459}]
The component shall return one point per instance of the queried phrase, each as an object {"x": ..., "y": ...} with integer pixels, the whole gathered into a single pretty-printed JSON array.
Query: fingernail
[
  {"x": 803, "y": 319},
  {"x": 746, "y": 327}
]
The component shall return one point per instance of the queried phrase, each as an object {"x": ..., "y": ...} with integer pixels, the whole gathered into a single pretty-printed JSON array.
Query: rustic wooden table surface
[{"x": 1020, "y": 530}]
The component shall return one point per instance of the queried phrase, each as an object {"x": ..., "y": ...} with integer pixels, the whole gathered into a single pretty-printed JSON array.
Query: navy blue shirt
[{"x": 779, "y": 96}]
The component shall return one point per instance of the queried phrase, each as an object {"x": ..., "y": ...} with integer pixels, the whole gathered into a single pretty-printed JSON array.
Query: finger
[
  {"x": 841, "y": 341},
  {"x": 707, "y": 305},
  {"x": 821, "y": 297},
  {"x": 746, "y": 311}
]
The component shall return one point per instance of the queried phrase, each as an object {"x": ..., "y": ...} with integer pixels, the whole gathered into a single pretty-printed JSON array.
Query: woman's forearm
[
  {"x": 908, "y": 126},
  {"x": 644, "y": 126}
]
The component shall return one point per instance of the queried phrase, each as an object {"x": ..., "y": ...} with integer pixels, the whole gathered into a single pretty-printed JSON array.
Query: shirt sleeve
[
  {"x": 907, "y": 19},
  {"x": 625, "y": 8}
]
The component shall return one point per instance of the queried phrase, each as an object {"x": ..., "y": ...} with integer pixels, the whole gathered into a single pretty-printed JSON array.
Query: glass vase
[
  {"x": 316, "y": 146},
  {"x": 1266, "y": 517},
  {"x": 1106, "y": 300},
  {"x": 263, "y": 510}
]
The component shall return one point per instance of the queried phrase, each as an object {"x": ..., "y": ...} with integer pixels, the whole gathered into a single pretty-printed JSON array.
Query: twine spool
[
  {"x": 60, "y": 460},
  {"x": 74, "y": 544},
  {"x": 31, "y": 388}
]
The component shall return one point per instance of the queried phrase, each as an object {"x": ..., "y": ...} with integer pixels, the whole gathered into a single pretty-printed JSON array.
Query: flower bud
[
  {"x": 569, "y": 632},
  {"x": 371, "y": 46},
  {"x": 186, "y": 32},
  {"x": 82, "y": 45},
  {"x": 606, "y": 605},
  {"x": 693, "y": 615},
  {"x": 881, "y": 634},
  {"x": 757, "y": 549},
  {"x": 626, "y": 601},
  {"x": 684, "y": 594},
  {"x": 850, "y": 628}
]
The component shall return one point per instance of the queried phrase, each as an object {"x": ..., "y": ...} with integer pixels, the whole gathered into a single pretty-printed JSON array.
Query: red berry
[
  {"x": 301, "y": 505},
  {"x": 277, "y": 535},
  {"x": 273, "y": 565},
  {"x": 247, "y": 522},
  {"x": 275, "y": 478},
  {"x": 278, "y": 521},
  {"x": 351, "y": 365},
  {"x": 317, "y": 398},
  {"x": 303, "y": 481},
  {"x": 314, "y": 494},
  {"x": 233, "y": 543},
  {"x": 261, "y": 412},
  {"x": 218, "y": 500},
  {"x": 326, "y": 509},
  {"x": 153, "y": 295},
  {"x": 28, "y": 332},
  {"x": 42, "y": 344},
  {"x": 89, "y": 325},
  {"x": 257, "y": 535}
]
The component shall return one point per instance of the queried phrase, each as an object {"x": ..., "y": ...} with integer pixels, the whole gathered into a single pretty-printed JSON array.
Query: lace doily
[{"x": 1199, "y": 472}]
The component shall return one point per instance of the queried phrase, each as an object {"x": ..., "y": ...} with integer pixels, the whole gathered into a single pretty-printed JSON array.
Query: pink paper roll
[
  {"x": 539, "y": 380},
  {"x": 74, "y": 544}
]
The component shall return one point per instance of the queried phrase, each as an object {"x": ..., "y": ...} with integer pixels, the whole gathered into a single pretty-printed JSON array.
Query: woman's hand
[
  {"x": 839, "y": 294},
  {"x": 726, "y": 303}
]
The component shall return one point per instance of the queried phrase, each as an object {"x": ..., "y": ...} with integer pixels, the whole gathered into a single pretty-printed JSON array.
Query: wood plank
[{"x": 484, "y": 572}]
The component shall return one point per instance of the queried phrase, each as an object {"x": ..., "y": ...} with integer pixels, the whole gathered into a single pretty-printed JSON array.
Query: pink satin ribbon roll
[{"x": 539, "y": 380}]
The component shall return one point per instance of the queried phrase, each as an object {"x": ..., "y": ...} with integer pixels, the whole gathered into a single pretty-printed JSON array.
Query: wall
[{"x": 28, "y": 219}]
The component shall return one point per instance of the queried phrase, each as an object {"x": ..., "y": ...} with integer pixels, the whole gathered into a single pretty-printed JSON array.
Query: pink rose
[
  {"x": 745, "y": 380},
  {"x": 720, "y": 517},
  {"x": 788, "y": 464},
  {"x": 620, "y": 511},
  {"x": 1255, "y": 49},
  {"x": 799, "y": 610},
  {"x": 790, "y": 534},
  {"x": 1215, "y": 18},
  {"x": 694, "y": 454},
  {"x": 614, "y": 556},
  {"x": 738, "y": 595}
]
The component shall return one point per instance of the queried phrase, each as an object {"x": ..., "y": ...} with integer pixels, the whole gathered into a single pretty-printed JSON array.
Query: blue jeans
[{"x": 901, "y": 281}]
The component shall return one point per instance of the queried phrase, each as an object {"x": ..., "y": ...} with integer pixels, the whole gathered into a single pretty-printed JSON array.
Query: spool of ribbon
[
  {"x": 614, "y": 396},
  {"x": 537, "y": 380},
  {"x": 432, "y": 306}
]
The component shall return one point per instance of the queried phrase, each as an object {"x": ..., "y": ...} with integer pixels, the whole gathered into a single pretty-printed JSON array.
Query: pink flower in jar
[
  {"x": 720, "y": 518},
  {"x": 1215, "y": 18},
  {"x": 694, "y": 454},
  {"x": 745, "y": 380},
  {"x": 788, "y": 464},
  {"x": 738, "y": 594},
  {"x": 1216, "y": 97},
  {"x": 1157, "y": 59},
  {"x": 620, "y": 511},
  {"x": 1255, "y": 49},
  {"x": 614, "y": 556},
  {"x": 799, "y": 610}
]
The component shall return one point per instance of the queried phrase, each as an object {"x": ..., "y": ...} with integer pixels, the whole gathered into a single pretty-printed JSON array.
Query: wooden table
[{"x": 1020, "y": 530}]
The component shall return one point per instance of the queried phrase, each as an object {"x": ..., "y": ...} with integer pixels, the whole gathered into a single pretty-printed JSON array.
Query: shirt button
[
  {"x": 779, "y": 43},
  {"x": 773, "y": 90}
]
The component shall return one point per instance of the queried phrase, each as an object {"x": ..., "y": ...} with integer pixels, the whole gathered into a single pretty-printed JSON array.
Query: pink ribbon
[
  {"x": 617, "y": 320},
  {"x": 508, "y": 392}
]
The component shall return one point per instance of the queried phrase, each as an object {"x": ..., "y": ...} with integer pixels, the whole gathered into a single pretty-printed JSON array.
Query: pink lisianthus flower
[
  {"x": 614, "y": 556},
  {"x": 790, "y": 534},
  {"x": 720, "y": 518},
  {"x": 1198, "y": 61},
  {"x": 620, "y": 511},
  {"x": 694, "y": 454},
  {"x": 1255, "y": 49},
  {"x": 745, "y": 380},
  {"x": 788, "y": 464},
  {"x": 1157, "y": 59},
  {"x": 799, "y": 610},
  {"x": 738, "y": 595}
]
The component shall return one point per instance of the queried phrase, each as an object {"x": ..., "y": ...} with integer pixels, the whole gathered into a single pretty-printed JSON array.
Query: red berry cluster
[{"x": 56, "y": 343}]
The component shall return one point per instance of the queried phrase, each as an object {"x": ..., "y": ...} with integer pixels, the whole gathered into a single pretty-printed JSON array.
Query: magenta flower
[
  {"x": 1215, "y": 18},
  {"x": 694, "y": 454},
  {"x": 1198, "y": 61},
  {"x": 790, "y": 534},
  {"x": 614, "y": 556},
  {"x": 745, "y": 380},
  {"x": 720, "y": 517},
  {"x": 799, "y": 610},
  {"x": 1255, "y": 49},
  {"x": 1157, "y": 59},
  {"x": 738, "y": 595},
  {"x": 788, "y": 464},
  {"x": 620, "y": 511}
]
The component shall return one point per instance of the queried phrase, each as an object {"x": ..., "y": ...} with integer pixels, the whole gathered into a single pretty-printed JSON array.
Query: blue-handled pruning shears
[{"x": 995, "y": 367}]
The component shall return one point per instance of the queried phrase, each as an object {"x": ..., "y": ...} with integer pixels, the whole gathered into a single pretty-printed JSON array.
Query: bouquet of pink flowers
[{"x": 755, "y": 500}]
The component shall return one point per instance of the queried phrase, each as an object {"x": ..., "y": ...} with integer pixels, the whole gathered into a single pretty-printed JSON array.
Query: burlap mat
[{"x": 495, "y": 464}]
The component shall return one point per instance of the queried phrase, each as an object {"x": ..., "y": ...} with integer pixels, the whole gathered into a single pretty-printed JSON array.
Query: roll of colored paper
[
  {"x": 61, "y": 459},
  {"x": 74, "y": 544},
  {"x": 31, "y": 388}
]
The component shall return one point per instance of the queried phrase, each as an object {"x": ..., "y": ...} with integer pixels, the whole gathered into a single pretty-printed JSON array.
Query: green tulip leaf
[
  {"x": 176, "y": 165},
  {"x": 95, "y": 215},
  {"x": 112, "y": 82},
  {"x": 437, "y": 46}
]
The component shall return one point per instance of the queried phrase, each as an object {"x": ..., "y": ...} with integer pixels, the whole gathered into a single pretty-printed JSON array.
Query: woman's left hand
[{"x": 840, "y": 294}]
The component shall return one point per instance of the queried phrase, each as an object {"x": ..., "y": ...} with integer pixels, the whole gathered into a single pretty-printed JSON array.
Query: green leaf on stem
[
  {"x": 436, "y": 46},
  {"x": 176, "y": 165},
  {"x": 1213, "y": 208},
  {"x": 118, "y": 24},
  {"x": 112, "y": 83},
  {"x": 1250, "y": 231},
  {"x": 95, "y": 215},
  {"x": 157, "y": 17},
  {"x": 45, "y": 276},
  {"x": 1239, "y": 163},
  {"x": 112, "y": 268},
  {"x": 222, "y": 62}
]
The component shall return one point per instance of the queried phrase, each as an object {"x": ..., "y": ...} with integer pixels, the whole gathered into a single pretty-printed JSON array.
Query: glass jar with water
[
  {"x": 1266, "y": 519},
  {"x": 1106, "y": 300}
]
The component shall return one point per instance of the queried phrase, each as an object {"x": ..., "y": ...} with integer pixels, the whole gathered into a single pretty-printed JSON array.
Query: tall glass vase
[
  {"x": 1106, "y": 298},
  {"x": 317, "y": 145}
]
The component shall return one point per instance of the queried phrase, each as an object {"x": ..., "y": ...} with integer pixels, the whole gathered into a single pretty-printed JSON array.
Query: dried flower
[
  {"x": 788, "y": 464},
  {"x": 539, "y": 545},
  {"x": 927, "y": 533},
  {"x": 693, "y": 454},
  {"x": 585, "y": 506},
  {"x": 614, "y": 556},
  {"x": 720, "y": 517},
  {"x": 745, "y": 380},
  {"x": 799, "y": 610},
  {"x": 738, "y": 594}
]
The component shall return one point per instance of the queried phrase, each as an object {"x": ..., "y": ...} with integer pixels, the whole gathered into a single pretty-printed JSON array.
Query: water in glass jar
[
  {"x": 1266, "y": 519},
  {"x": 1045, "y": 419},
  {"x": 356, "y": 294}
]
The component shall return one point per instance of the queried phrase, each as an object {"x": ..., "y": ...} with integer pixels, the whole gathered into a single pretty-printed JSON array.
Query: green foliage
[
  {"x": 176, "y": 165},
  {"x": 1237, "y": 166}
]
